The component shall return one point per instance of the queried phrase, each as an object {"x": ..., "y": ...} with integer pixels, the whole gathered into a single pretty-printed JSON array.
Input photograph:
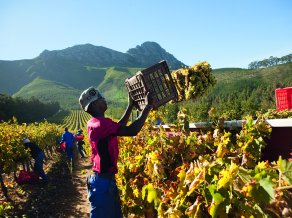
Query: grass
[
  {"x": 111, "y": 82},
  {"x": 48, "y": 91}
]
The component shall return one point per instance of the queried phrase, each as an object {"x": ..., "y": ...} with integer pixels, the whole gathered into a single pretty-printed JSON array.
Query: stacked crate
[{"x": 284, "y": 98}]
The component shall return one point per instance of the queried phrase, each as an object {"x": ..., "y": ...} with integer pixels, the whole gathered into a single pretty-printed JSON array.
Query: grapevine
[
  {"x": 196, "y": 174},
  {"x": 11, "y": 141}
]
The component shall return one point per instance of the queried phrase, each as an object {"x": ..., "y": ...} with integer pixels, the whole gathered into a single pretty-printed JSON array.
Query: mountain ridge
[
  {"x": 144, "y": 55},
  {"x": 79, "y": 65}
]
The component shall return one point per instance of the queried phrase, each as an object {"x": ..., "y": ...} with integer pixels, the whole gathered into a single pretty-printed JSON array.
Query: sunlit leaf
[
  {"x": 286, "y": 169},
  {"x": 197, "y": 181},
  {"x": 268, "y": 186}
]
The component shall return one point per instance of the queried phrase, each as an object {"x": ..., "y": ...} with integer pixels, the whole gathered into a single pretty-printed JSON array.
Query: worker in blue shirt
[{"x": 68, "y": 138}]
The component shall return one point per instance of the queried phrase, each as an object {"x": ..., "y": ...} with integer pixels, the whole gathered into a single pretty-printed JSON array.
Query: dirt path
[
  {"x": 64, "y": 196},
  {"x": 81, "y": 172}
]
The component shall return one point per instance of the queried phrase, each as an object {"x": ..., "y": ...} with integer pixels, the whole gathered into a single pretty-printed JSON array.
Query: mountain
[
  {"x": 149, "y": 52},
  {"x": 79, "y": 66},
  {"x": 142, "y": 56},
  {"x": 61, "y": 76},
  {"x": 13, "y": 75}
]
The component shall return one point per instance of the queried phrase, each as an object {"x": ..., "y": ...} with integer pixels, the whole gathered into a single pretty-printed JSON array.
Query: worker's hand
[
  {"x": 130, "y": 100},
  {"x": 149, "y": 100}
]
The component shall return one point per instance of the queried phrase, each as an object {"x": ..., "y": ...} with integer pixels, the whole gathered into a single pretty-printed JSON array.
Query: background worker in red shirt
[
  {"x": 102, "y": 189},
  {"x": 79, "y": 139}
]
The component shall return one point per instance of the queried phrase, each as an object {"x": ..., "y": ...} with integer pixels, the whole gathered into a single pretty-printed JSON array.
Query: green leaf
[
  {"x": 287, "y": 175},
  {"x": 152, "y": 194},
  {"x": 151, "y": 141},
  {"x": 260, "y": 196},
  {"x": 259, "y": 211},
  {"x": 244, "y": 175},
  {"x": 285, "y": 167},
  {"x": 281, "y": 164},
  {"x": 144, "y": 189},
  {"x": 181, "y": 176},
  {"x": 265, "y": 192},
  {"x": 267, "y": 185},
  {"x": 227, "y": 176},
  {"x": 224, "y": 180},
  {"x": 217, "y": 197}
]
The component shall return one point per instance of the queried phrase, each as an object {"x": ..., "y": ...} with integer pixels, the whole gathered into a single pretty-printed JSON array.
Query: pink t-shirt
[{"x": 99, "y": 128}]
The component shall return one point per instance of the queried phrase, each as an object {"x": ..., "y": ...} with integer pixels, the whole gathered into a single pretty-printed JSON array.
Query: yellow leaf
[{"x": 197, "y": 181}]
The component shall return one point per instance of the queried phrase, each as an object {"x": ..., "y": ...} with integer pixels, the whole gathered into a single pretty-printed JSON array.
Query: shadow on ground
[{"x": 63, "y": 196}]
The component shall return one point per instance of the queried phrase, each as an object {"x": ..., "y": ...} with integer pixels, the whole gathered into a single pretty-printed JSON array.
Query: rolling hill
[
  {"x": 48, "y": 91},
  {"x": 235, "y": 79},
  {"x": 61, "y": 75},
  {"x": 240, "y": 92},
  {"x": 229, "y": 81}
]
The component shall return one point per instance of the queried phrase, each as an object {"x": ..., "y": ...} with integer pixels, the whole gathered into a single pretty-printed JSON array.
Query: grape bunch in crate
[{"x": 192, "y": 82}]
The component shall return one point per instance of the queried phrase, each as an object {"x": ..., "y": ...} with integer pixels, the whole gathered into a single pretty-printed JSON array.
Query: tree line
[
  {"x": 228, "y": 105},
  {"x": 271, "y": 61},
  {"x": 250, "y": 99},
  {"x": 26, "y": 110}
]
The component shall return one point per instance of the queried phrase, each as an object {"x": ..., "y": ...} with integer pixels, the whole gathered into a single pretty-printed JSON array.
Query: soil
[{"x": 65, "y": 195}]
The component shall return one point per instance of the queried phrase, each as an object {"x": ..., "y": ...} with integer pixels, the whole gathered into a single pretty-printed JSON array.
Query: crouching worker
[
  {"x": 38, "y": 155},
  {"x": 102, "y": 189}
]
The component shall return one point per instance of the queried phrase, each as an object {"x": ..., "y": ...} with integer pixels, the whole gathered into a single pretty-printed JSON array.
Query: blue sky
[{"x": 226, "y": 33}]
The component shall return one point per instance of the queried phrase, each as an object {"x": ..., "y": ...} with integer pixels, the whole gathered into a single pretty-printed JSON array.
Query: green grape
[{"x": 192, "y": 82}]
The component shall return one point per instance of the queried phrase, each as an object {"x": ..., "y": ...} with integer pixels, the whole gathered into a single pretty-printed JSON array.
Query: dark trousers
[
  {"x": 81, "y": 150},
  {"x": 38, "y": 166}
]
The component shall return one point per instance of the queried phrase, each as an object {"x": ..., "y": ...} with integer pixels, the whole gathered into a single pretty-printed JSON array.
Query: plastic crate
[
  {"x": 284, "y": 98},
  {"x": 155, "y": 79}
]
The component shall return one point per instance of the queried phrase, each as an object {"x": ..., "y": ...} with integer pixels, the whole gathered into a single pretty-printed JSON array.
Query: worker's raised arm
[{"x": 134, "y": 128}]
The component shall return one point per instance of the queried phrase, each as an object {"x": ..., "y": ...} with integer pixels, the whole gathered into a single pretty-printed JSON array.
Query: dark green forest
[{"x": 26, "y": 110}]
